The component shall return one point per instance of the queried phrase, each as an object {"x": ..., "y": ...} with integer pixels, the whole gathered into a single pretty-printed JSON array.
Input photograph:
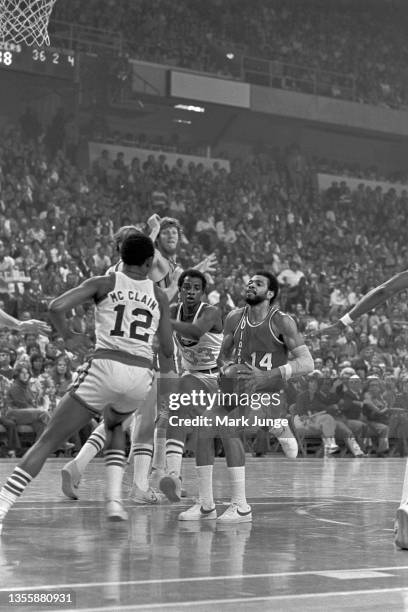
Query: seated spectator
[
  {"x": 376, "y": 413},
  {"x": 61, "y": 376},
  {"x": 13, "y": 445},
  {"x": 5, "y": 367},
  {"x": 22, "y": 402}
]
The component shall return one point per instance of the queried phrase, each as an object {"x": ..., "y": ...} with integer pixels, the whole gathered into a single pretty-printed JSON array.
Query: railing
[
  {"x": 83, "y": 38},
  {"x": 269, "y": 73}
]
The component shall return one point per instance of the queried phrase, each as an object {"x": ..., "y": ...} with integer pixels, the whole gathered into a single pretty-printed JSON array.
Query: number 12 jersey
[{"x": 127, "y": 318}]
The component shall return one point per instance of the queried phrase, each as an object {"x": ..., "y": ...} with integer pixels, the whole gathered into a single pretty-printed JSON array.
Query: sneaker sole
[
  {"x": 401, "y": 536},
  {"x": 241, "y": 519},
  {"x": 68, "y": 488},
  {"x": 144, "y": 502},
  {"x": 168, "y": 487},
  {"x": 200, "y": 519},
  {"x": 116, "y": 518}
]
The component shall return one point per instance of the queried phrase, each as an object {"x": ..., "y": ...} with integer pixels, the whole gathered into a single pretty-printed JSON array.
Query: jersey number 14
[
  {"x": 262, "y": 360},
  {"x": 143, "y": 319}
]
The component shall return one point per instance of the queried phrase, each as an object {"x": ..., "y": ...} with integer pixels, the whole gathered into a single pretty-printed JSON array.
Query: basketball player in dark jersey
[
  {"x": 257, "y": 341},
  {"x": 370, "y": 300}
]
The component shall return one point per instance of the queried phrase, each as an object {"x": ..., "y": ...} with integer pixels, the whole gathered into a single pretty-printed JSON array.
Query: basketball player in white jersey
[
  {"x": 166, "y": 233},
  {"x": 198, "y": 334},
  {"x": 370, "y": 300},
  {"x": 129, "y": 310}
]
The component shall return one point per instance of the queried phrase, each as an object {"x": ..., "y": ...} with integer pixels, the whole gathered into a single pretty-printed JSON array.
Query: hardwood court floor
[{"x": 321, "y": 539}]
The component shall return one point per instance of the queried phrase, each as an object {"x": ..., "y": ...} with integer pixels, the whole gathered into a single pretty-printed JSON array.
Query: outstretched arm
[
  {"x": 210, "y": 318},
  {"x": 32, "y": 326},
  {"x": 370, "y": 300}
]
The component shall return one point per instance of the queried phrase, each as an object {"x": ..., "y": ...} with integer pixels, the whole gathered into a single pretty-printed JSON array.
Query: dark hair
[
  {"x": 193, "y": 274},
  {"x": 123, "y": 232},
  {"x": 136, "y": 249},
  {"x": 273, "y": 284}
]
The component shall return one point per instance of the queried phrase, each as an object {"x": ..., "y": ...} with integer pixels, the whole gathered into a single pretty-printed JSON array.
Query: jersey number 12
[{"x": 137, "y": 323}]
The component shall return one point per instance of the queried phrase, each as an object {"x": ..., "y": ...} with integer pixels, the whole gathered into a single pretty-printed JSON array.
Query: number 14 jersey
[{"x": 127, "y": 318}]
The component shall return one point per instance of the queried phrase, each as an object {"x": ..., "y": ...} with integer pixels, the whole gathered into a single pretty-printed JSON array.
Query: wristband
[
  {"x": 286, "y": 371},
  {"x": 346, "y": 320}
]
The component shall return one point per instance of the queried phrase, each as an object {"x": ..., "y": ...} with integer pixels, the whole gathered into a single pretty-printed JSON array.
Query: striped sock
[
  {"x": 91, "y": 448},
  {"x": 174, "y": 455},
  {"x": 115, "y": 466},
  {"x": 14, "y": 487},
  {"x": 142, "y": 457}
]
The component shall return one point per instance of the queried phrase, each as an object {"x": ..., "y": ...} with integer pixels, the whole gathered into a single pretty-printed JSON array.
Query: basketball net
[{"x": 25, "y": 21}]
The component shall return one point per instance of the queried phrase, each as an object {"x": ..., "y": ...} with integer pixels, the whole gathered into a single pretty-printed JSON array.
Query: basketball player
[
  {"x": 166, "y": 234},
  {"x": 129, "y": 311},
  {"x": 373, "y": 298},
  {"x": 198, "y": 334},
  {"x": 257, "y": 339}
]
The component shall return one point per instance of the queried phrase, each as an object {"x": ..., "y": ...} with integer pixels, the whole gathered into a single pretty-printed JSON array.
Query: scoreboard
[{"x": 42, "y": 61}]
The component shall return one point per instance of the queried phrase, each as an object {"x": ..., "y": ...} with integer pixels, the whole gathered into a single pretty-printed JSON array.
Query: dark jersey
[{"x": 257, "y": 344}]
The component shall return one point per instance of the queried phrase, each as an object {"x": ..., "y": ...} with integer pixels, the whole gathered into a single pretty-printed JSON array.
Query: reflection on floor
[{"x": 321, "y": 539}]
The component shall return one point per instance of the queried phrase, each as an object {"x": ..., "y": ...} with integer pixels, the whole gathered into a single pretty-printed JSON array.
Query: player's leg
[
  {"x": 401, "y": 523},
  {"x": 72, "y": 472},
  {"x": 170, "y": 484},
  {"x": 142, "y": 433},
  {"x": 126, "y": 390},
  {"x": 166, "y": 384},
  {"x": 239, "y": 511},
  {"x": 69, "y": 416},
  {"x": 204, "y": 509},
  {"x": 115, "y": 459}
]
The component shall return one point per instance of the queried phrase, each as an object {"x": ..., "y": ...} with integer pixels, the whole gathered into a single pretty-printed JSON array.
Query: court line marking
[
  {"x": 53, "y": 505},
  {"x": 248, "y": 600},
  {"x": 85, "y": 585}
]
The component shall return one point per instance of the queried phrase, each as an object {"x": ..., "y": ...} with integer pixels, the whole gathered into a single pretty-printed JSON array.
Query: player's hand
[
  {"x": 208, "y": 264},
  {"x": 33, "y": 326},
  {"x": 255, "y": 379},
  {"x": 79, "y": 344},
  {"x": 154, "y": 222}
]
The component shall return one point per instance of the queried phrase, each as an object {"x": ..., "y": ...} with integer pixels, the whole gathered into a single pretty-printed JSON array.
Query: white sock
[
  {"x": 159, "y": 450},
  {"x": 404, "y": 495},
  {"x": 14, "y": 487},
  {"x": 115, "y": 466},
  {"x": 174, "y": 456},
  {"x": 91, "y": 448},
  {"x": 205, "y": 488},
  {"x": 237, "y": 479},
  {"x": 142, "y": 457}
]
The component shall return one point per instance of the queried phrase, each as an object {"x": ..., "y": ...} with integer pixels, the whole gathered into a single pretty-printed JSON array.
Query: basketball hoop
[{"x": 25, "y": 21}]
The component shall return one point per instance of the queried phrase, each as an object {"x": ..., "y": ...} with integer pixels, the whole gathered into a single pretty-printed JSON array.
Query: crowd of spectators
[
  {"x": 339, "y": 49},
  {"x": 57, "y": 222}
]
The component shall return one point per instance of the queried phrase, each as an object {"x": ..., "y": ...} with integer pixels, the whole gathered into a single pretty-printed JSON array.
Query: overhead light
[
  {"x": 188, "y": 107},
  {"x": 182, "y": 121},
  {"x": 230, "y": 56}
]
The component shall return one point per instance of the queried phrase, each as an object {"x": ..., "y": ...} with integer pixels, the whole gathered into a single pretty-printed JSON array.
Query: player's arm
[
  {"x": 153, "y": 223},
  {"x": 225, "y": 357},
  {"x": 165, "y": 330},
  {"x": 370, "y": 300},
  {"x": 32, "y": 326},
  {"x": 211, "y": 317},
  {"x": 301, "y": 362},
  {"x": 92, "y": 288}
]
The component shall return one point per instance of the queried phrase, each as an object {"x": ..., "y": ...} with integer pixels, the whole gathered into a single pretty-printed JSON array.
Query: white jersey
[
  {"x": 199, "y": 354},
  {"x": 128, "y": 317}
]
